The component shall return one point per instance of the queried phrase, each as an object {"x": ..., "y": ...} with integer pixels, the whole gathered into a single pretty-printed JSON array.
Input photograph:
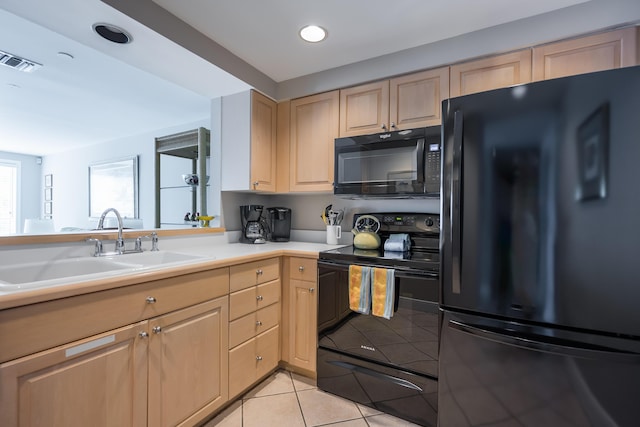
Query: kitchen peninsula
[{"x": 157, "y": 345}]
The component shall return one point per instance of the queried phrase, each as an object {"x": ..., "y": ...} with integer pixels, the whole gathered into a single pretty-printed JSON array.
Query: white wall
[{"x": 71, "y": 174}]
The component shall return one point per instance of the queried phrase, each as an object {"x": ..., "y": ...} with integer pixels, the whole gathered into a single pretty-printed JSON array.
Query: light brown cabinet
[
  {"x": 254, "y": 314},
  {"x": 405, "y": 102},
  {"x": 188, "y": 360},
  {"x": 490, "y": 73},
  {"x": 301, "y": 306},
  {"x": 101, "y": 380},
  {"x": 364, "y": 109},
  {"x": 604, "y": 51},
  {"x": 263, "y": 142},
  {"x": 312, "y": 130},
  {"x": 249, "y": 121},
  {"x": 168, "y": 366}
]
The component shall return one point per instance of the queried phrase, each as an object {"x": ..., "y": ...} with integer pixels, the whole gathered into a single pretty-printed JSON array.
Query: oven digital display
[{"x": 434, "y": 147}]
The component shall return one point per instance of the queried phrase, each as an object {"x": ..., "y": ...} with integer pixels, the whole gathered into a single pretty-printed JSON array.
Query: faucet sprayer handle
[{"x": 154, "y": 241}]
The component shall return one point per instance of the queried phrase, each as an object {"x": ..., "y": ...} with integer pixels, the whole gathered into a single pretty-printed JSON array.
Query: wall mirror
[
  {"x": 114, "y": 184},
  {"x": 111, "y": 100}
]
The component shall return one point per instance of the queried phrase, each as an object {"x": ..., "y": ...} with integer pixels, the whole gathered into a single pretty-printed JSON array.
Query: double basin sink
[{"x": 37, "y": 274}]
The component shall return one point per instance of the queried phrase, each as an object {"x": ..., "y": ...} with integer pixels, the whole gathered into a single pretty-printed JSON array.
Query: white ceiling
[
  {"x": 110, "y": 91},
  {"x": 264, "y": 33}
]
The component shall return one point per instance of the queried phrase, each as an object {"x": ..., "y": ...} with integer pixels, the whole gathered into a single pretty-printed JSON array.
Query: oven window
[{"x": 397, "y": 164}]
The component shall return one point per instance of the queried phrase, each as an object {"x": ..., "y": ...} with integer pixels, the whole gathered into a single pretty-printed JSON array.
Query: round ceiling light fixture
[
  {"x": 313, "y": 33},
  {"x": 112, "y": 33}
]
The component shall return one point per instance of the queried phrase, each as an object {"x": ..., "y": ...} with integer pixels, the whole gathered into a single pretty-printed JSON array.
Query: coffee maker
[
  {"x": 254, "y": 226},
  {"x": 279, "y": 220}
]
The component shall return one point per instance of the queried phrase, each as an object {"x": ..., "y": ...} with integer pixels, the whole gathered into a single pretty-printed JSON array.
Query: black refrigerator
[{"x": 540, "y": 254}]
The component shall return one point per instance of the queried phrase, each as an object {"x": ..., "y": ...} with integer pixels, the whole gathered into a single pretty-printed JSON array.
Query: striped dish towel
[
  {"x": 383, "y": 293},
  {"x": 360, "y": 289}
]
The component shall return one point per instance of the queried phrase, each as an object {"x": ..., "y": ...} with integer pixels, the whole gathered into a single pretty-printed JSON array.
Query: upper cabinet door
[
  {"x": 415, "y": 100},
  {"x": 364, "y": 109},
  {"x": 313, "y": 129},
  {"x": 491, "y": 73},
  {"x": 598, "y": 52},
  {"x": 263, "y": 142}
]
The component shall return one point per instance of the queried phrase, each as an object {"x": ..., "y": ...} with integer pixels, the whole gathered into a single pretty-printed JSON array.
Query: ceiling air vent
[{"x": 18, "y": 63}]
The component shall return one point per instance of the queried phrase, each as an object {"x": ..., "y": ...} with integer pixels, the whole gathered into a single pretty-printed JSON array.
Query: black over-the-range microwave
[{"x": 404, "y": 163}]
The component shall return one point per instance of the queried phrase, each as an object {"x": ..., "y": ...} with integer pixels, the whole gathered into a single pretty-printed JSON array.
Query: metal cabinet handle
[
  {"x": 255, "y": 183},
  {"x": 301, "y": 268},
  {"x": 258, "y": 323},
  {"x": 393, "y": 125},
  {"x": 259, "y": 298},
  {"x": 258, "y": 358},
  {"x": 151, "y": 300},
  {"x": 157, "y": 329},
  {"x": 384, "y": 126},
  {"x": 143, "y": 334},
  {"x": 259, "y": 272},
  {"x": 312, "y": 290}
]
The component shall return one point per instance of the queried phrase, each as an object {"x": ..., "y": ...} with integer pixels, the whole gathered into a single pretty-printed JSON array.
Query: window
[{"x": 8, "y": 196}]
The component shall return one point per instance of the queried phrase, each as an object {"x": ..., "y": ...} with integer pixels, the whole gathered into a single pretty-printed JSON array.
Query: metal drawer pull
[
  {"x": 143, "y": 334},
  {"x": 258, "y": 358},
  {"x": 312, "y": 290},
  {"x": 259, "y": 272},
  {"x": 157, "y": 329},
  {"x": 259, "y": 298},
  {"x": 258, "y": 323},
  {"x": 301, "y": 268},
  {"x": 151, "y": 300}
]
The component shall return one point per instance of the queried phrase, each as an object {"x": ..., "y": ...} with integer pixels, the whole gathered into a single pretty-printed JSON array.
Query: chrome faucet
[{"x": 120, "y": 240}]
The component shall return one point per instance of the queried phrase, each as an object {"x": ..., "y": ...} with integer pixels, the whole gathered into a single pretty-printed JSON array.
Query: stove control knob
[{"x": 429, "y": 222}]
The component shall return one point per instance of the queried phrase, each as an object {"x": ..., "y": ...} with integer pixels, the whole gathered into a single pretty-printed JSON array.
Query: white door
[{"x": 8, "y": 196}]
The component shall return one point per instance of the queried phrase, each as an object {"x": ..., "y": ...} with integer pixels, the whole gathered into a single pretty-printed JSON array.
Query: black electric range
[{"x": 388, "y": 364}]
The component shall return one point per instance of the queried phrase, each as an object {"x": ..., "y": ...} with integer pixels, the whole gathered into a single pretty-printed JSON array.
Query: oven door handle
[{"x": 399, "y": 271}]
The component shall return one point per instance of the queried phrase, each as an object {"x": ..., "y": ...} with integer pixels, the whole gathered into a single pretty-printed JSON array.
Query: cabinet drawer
[
  {"x": 253, "y": 273},
  {"x": 268, "y": 293},
  {"x": 303, "y": 269},
  {"x": 28, "y": 329},
  {"x": 247, "y": 300},
  {"x": 253, "y": 324}
]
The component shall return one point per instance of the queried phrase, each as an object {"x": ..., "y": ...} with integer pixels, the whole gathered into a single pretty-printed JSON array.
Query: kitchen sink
[
  {"x": 38, "y": 274},
  {"x": 38, "y": 271},
  {"x": 151, "y": 259}
]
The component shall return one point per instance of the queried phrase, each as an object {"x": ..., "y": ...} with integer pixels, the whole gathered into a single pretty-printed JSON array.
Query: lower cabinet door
[
  {"x": 242, "y": 367},
  {"x": 98, "y": 381},
  {"x": 188, "y": 359},
  {"x": 267, "y": 351}
]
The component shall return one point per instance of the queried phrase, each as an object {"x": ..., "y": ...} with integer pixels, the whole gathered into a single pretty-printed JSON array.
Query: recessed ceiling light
[
  {"x": 112, "y": 33},
  {"x": 313, "y": 33}
]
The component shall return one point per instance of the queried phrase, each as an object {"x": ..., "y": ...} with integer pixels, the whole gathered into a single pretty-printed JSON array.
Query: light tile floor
[{"x": 289, "y": 400}]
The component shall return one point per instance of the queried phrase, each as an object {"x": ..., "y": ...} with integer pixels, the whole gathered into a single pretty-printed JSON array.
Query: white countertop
[{"x": 211, "y": 252}]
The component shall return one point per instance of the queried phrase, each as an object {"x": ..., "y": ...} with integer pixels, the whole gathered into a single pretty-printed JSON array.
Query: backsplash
[{"x": 306, "y": 208}]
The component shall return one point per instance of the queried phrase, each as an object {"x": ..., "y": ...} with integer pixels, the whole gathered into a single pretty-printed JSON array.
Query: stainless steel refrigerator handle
[
  {"x": 455, "y": 203},
  {"x": 542, "y": 343}
]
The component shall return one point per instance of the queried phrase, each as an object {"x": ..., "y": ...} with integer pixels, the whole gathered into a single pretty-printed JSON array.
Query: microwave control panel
[{"x": 432, "y": 167}]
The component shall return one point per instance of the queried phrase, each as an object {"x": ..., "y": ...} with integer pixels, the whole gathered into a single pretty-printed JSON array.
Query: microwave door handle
[
  {"x": 421, "y": 161},
  {"x": 455, "y": 207}
]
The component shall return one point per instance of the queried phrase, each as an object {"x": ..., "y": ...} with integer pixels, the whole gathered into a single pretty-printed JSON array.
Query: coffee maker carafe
[
  {"x": 279, "y": 224},
  {"x": 254, "y": 227}
]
